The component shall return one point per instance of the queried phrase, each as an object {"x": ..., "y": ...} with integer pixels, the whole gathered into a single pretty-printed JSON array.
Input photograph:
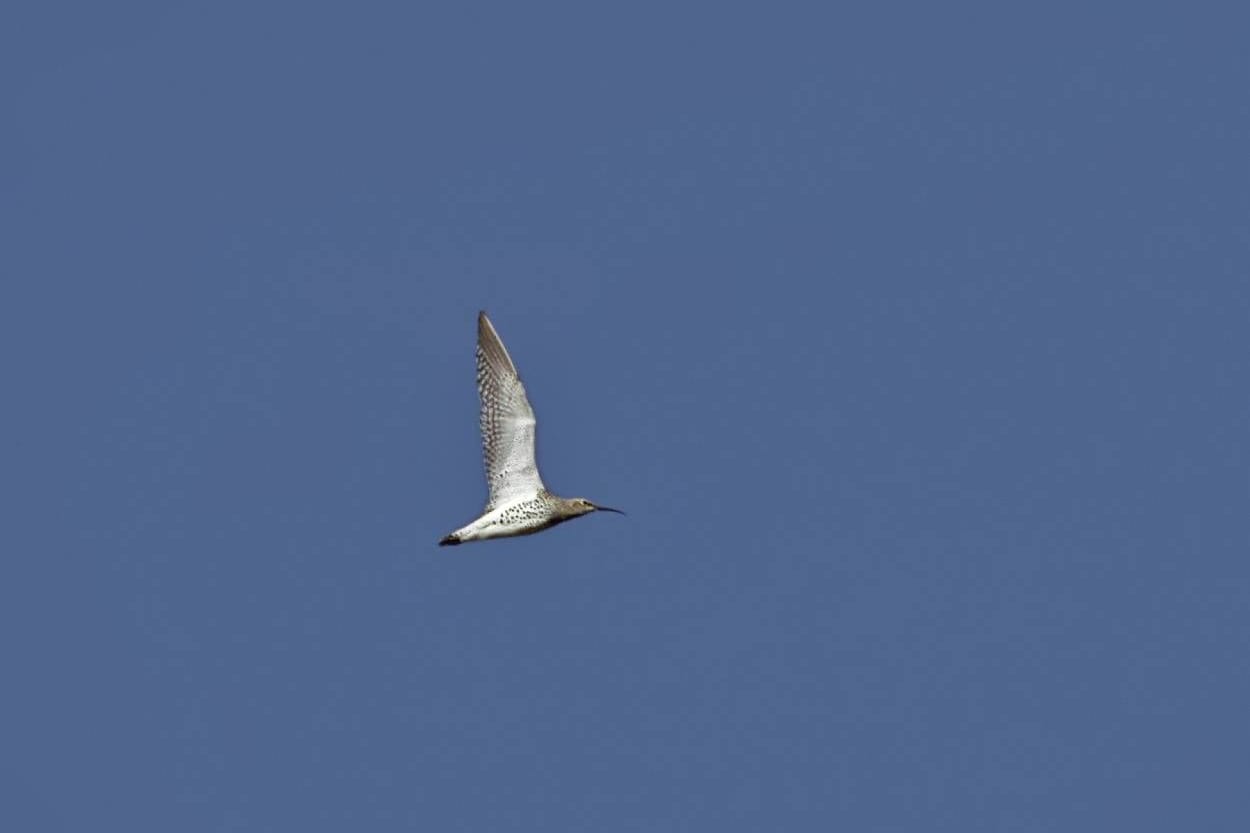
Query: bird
[{"x": 518, "y": 502}]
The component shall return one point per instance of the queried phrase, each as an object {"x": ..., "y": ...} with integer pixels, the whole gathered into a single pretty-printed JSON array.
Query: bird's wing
[{"x": 507, "y": 421}]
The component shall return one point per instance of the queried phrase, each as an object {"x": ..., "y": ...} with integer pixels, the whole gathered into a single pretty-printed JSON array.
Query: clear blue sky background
[{"x": 913, "y": 338}]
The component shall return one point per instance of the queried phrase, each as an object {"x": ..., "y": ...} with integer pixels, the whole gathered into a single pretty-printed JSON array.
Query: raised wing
[{"x": 507, "y": 421}]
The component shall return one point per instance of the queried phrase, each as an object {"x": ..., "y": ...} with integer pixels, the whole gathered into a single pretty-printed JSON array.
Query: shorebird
[{"x": 519, "y": 503}]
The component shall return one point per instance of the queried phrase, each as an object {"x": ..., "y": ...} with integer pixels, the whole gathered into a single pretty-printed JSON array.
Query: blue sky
[{"x": 912, "y": 339}]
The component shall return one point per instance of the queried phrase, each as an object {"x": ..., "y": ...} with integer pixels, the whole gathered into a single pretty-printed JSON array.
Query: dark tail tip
[{"x": 449, "y": 540}]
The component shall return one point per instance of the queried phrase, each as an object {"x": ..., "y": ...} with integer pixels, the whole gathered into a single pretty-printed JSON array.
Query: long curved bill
[{"x": 608, "y": 509}]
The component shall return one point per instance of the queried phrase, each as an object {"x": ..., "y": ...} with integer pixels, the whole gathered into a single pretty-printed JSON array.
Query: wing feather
[{"x": 507, "y": 421}]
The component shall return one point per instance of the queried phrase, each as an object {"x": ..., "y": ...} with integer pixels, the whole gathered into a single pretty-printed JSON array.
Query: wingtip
[
  {"x": 490, "y": 345},
  {"x": 449, "y": 540},
  {"x": 484, "y": 326}
]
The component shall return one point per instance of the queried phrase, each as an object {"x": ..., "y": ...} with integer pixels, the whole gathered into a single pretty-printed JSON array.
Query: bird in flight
[{"x": 519, "y": 503}]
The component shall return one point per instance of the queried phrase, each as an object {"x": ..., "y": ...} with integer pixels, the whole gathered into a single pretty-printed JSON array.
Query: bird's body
[
  {"x": 519, "y": 503},
  {"x": 521, "y": 517}
]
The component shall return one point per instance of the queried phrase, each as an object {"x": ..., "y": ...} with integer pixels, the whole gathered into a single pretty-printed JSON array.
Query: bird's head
[{"x": 581, "y": 506}]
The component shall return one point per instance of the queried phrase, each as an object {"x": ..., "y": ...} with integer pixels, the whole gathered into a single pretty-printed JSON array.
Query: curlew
[{"x": 518, "y": 502}]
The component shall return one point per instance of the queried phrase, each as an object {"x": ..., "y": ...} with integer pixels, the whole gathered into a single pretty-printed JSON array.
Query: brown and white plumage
[
  {"x": 507, "y": 422},
  {"x": 518, "y": 503}
]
